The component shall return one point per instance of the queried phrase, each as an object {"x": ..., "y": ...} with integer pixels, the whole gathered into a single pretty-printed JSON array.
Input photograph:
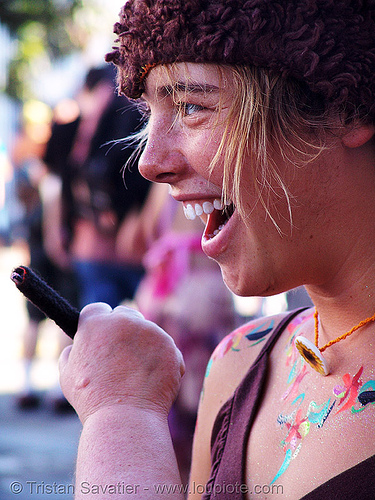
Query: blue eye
[{"x": 189, "y": 108}]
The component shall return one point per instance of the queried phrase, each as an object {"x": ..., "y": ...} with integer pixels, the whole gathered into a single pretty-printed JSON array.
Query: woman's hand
[{"x": 120, "y": 358}]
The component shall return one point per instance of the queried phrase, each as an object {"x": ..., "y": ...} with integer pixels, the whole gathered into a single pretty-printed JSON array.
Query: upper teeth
[{"x": 192, "y": 211}]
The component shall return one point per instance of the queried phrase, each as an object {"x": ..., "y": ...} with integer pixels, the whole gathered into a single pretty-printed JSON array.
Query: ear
[{"x": 358, "y": 135}]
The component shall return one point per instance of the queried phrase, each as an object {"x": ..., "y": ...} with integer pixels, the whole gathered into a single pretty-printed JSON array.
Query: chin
[
  {"x": 235, "y": 284},
  {"x": 247, "y": 285}
]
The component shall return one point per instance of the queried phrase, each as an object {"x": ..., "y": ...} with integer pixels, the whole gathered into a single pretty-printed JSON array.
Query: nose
[{"x": 162, "y": 160}]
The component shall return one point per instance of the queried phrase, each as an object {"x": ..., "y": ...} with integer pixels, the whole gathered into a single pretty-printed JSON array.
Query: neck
[
  {"x": 340, "y": 309},
  {"x": 345, "y": 302}
]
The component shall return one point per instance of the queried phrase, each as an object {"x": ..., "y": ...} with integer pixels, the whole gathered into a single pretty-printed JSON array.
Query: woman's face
[{"x": 189, "y": 107}]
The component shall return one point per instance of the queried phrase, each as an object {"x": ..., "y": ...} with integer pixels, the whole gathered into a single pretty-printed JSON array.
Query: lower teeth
[
  {"x": 227, "y": 212},
  {"x": 217, "y": 231}
]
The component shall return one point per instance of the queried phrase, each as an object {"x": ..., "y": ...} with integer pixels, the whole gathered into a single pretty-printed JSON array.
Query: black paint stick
[{"x": 46, "y": 299}]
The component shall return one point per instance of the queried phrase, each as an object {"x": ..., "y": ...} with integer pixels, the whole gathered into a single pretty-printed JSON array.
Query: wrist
[{"x": 124, "y": 409}]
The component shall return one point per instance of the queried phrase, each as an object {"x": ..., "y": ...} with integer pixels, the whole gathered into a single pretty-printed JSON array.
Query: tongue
[{"x": 214, "y": 221}]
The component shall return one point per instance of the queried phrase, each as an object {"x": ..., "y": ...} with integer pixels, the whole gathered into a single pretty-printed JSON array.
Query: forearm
[
  {"x": 121, "y": 375},
  {"x": 126, "y": 452}
]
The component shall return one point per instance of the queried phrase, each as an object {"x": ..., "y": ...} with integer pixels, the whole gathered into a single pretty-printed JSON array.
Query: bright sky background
[{"x": 62, "y": 80}]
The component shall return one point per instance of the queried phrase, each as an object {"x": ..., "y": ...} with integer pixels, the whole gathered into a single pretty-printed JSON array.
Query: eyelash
[
  {"x": 187, "y": 108},
  {"x": 184, "y": 109}
]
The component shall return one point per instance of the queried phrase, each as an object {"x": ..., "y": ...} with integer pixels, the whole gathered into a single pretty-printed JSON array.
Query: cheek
[{"x": 200, "y": 149}]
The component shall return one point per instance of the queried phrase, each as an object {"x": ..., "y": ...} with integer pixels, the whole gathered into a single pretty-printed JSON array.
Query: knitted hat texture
[{"x": 327, "y": 44}]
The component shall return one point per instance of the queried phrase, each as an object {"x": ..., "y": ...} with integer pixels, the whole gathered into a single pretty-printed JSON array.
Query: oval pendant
[{"x": 312, "y": 355}]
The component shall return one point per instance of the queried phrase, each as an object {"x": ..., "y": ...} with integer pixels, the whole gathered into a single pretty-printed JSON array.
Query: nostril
[
  {"x": 165, "y": 177},
  {"x": 162, "y": 163}
]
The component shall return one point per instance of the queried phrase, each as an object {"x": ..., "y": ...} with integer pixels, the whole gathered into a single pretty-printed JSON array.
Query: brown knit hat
[{"x": 327, "y": 44}]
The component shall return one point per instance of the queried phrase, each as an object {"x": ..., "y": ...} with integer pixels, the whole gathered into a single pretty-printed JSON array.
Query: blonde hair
[{"x": 269, "y": 114}]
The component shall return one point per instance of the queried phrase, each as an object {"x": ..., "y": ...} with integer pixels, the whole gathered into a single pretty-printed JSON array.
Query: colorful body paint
[
  {"x": 254, "y": 334},
  {"x": 320, "y": 416},
  {"x": 284, "y": 466},
  {"x": 350, "y": 390},
  {"x": 350, "y": 396},
  {"x": 366, "y": 396},
  {"x": 259, "y": 334},
  {"x": 292, "y": 391},
  {"x": 298, "y": 423}
]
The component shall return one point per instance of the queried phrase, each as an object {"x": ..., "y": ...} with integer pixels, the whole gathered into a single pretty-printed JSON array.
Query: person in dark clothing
[{"x": 89, "y": 155}]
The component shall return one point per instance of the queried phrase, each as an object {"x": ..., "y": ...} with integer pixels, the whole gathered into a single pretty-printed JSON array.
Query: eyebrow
[{"x": 187, "y": 87}]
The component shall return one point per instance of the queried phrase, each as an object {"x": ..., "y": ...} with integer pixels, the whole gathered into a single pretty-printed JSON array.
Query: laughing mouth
[{"x": 215, "y": 214}]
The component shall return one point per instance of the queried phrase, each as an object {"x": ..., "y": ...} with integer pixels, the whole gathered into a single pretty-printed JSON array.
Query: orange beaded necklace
[{"x": 312, "y": 353}]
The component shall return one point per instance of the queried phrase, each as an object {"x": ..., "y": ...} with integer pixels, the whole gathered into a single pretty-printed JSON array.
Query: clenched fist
[{"x": 120, "y": 358}]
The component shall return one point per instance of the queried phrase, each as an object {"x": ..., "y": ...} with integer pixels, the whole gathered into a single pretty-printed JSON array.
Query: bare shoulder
[
  {"x": 228, "y": 365},
  {"x": 233, "y": 357}
]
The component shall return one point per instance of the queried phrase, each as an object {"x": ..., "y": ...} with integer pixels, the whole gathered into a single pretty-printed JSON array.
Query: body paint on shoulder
[
  {"x": 208, "y": 368},
  {"x": 259, "y": 333},
  {"x": 254, "y": 334}
]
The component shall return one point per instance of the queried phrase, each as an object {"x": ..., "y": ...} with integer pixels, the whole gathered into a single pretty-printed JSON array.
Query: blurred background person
[{"x": 98, "y": 198}]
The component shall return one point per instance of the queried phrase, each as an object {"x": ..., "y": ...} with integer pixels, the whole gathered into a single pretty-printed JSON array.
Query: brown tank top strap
[
  {"x": 272, "y": 339},
  {"x": 233, "y": 423}
]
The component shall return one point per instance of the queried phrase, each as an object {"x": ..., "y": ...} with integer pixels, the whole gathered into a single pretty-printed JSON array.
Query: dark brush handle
[{"x": 46, "y": 299}]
